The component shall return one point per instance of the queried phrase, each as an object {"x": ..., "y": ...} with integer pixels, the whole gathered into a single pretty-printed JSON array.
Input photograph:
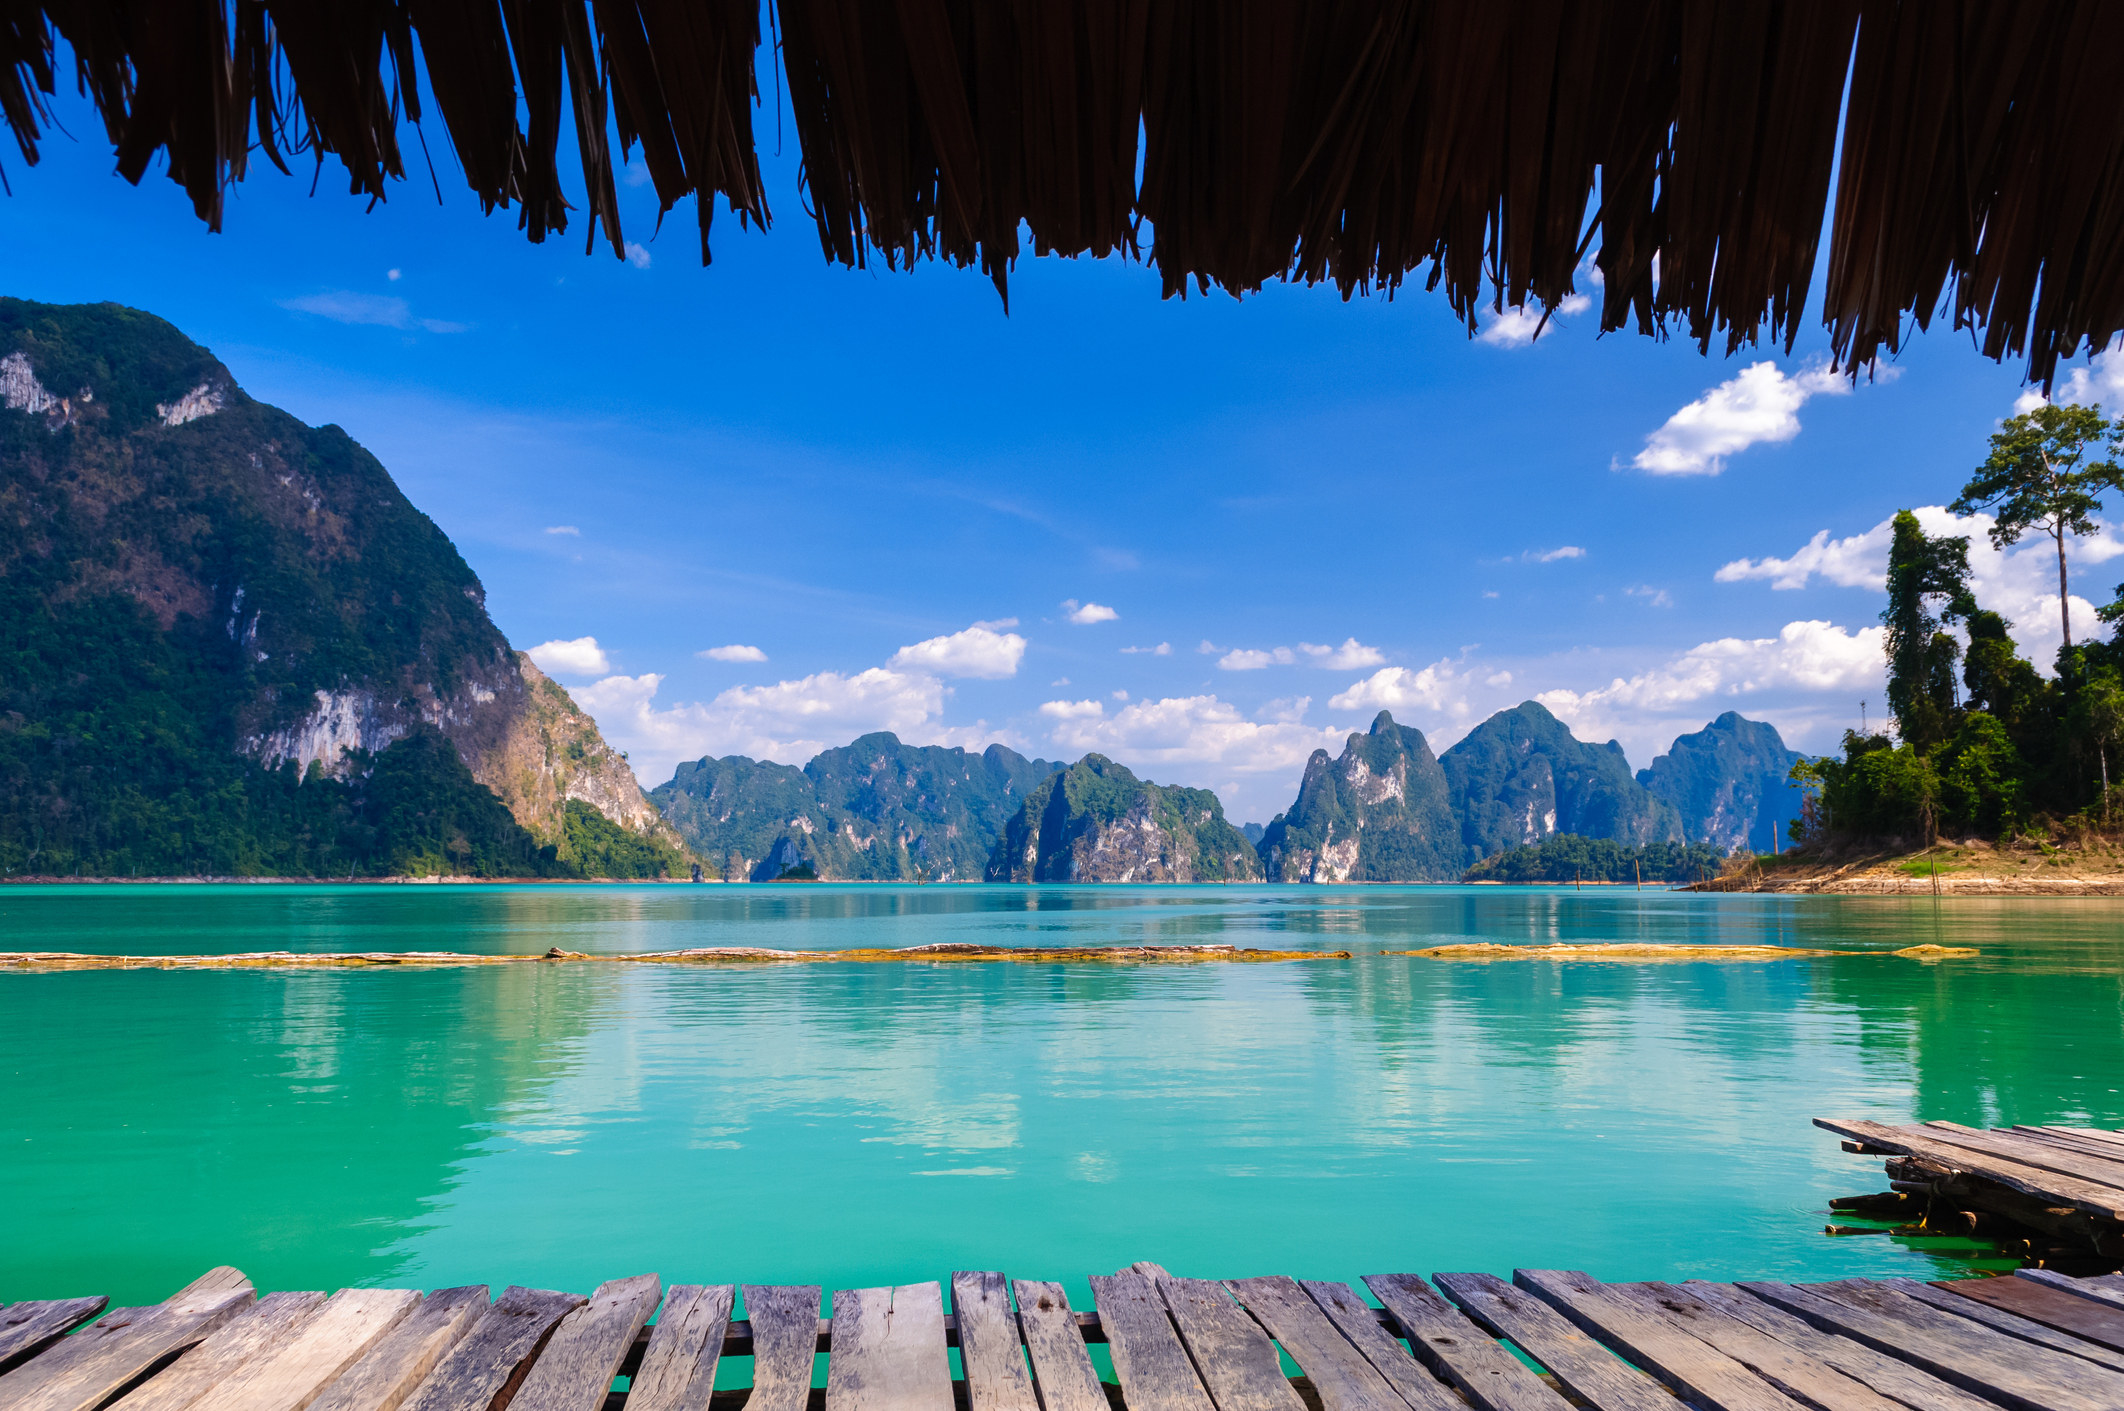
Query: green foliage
[
  {"x": 1523, "y": 764},
  {"x": 1404, "y": 834},
  {"x": 2038, "y": 476},
  {"x": 1921, "y": 656},
  {"x": 1097, "y": 822},
  {"x": 1570, "y": 857},
  {"x": 594, "y": 846},
  {"x": 1980, "y": 779},
  {"x": 1729, "y": 782}
]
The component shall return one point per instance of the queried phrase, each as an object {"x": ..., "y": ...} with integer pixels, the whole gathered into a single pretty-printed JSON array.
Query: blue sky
[{"x": 1297, "y": 511}]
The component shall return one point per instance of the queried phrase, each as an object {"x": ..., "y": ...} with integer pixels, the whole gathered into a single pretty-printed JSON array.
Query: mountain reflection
[{"x": 855, "y": 1123}]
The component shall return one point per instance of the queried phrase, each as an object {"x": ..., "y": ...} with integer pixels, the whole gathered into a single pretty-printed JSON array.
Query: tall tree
[
  {"x": 1928, "y": 587},
  {"x": 2038, "y": 476}
]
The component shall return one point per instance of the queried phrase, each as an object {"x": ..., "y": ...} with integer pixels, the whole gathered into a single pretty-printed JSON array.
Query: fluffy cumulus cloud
[
  {"x": 2019, "y": 583},
  {"x": 979, "y": 652},
  {"x": 2100, "y": 382},
  {"x": 1248, "y": 659},
  {"x": 580, "y": 656},
  {"x": 1761, "y": 404},
  {"x": 1352, "y": 655},
  {"x": 1439, "y": 696},
  {"x": 1163, "y": 649},
  {"x": 1200, "y": 741},
  {"x": 1085, "y": 614},
  {"x": 1810, "y": 671},
  {"x": 733, "y": 652},
  {"x": 1517, "y": 327},
  {"x": 1557, "y": 555}
]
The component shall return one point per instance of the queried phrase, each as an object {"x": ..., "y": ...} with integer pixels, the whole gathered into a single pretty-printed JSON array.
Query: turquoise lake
[{"x": 852, "y": 1124}]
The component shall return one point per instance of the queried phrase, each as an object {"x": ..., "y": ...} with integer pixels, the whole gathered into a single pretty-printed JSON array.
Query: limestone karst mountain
[
  {"x": 1382, "y": 812},
  {"x": 1729, "y": 783},
  {"x": 1098, "y": 822},
  {"x": 217, "y": 624},
  {"x": 1521, "y": 776}
]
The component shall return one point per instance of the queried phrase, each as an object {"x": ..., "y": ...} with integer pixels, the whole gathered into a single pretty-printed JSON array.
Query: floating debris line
[{"x": 947, "y": 953}]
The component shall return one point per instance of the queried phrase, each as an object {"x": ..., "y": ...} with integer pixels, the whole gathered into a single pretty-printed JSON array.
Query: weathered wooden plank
[
  {"x": 102, "y": 1359},
  {"x": 1783, "y": 1366},
  {"x": 1382, "y": 1351},
  {"x": 2044, "y": 1156},
  {"x": 989, "y": 1350},
  {"x": 387, "y": 1374},
  {"x": 2106, "y": 1201},
  {"x": 785, "y": 1339},
  {"x": 2100, "y": 1289},
  {"x": 1446, "y": 1342},
  {"x": 2081, "y": 1317},
  {"x": 1891, "y": 1376},
  {"x": 266, "y": 1325},
  {"x": 1993, "y": 1364},
  {"x": 888, "y": 1350},
  {"x": 1697, "y": 1372},
  {"x": 575, "y": 1371},
  {"x": 26, "y": 1329},
  {"x": 1340, "y": 1374},
  {"x": 289, "y": 1377},
  {"x": 1997, "y": 1319},
  {"x": 1587, "y": 1370},
  {"x": 2100, "y": 1134},
  {"x": 678, "y": 1369},
  {"x": 1235, "y": 1359},
  {"x": 2072, "y": 1141},
  {"x": 487, "y": 1365},
  {"x": 1149, "y": 1362},
  {"x": 1054, "y": 1342}
]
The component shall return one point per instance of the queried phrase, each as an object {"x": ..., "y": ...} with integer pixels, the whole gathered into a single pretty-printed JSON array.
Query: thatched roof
[{"x": 1358, "y": 142}]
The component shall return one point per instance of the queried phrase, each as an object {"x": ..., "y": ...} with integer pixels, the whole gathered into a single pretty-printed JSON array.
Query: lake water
[{"x": 851, "y": 1124}]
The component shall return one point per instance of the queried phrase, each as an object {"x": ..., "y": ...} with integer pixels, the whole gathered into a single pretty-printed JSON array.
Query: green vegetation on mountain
[
  {"x": 1521, "y": 776},
  {"x": 875, "y": 810},
  {"x": 228, "y": 644},
  {"x": 1568, "y": 857},
  {"x": 1381, "y": 813},
  {"x": 2004, "y": 751},
  {"x": 1097, "y": 822},
  {"x": 1729, "y": 782}
]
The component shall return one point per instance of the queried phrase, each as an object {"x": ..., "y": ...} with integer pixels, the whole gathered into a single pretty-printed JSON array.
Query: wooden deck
[
  {"x": 2040, "y": 1191},
  {"x": 2035, "y": 1342}
]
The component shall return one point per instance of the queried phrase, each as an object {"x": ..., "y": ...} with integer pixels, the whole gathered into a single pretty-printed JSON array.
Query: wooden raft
[
  {"x": 2038, "y": 1191},
  {"x": 2037, "y": 1342}
]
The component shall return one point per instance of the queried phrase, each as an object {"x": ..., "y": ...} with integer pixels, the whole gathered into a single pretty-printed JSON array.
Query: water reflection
[{"x": 859, "y": 1123}]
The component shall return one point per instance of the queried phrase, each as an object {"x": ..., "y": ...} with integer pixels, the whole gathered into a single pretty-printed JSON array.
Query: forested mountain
[
  {"x": 1381, "y": 813},
  {"x": 1521, "y": 776},
  {"x": 1730, "y": 783},
  {"x": 872, "y": 811},
  {"x": 229, "y": 644},
  {"x": 1097, "y": 822}
]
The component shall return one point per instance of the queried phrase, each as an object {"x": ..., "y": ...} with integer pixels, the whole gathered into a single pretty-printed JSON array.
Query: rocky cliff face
[
  {"x": 311, "y": 615},
  {"x": 1097, "y": 822},
  {"x": 1520, "y": 777},
  {"x": 875, "y": 810},
  {"x": 1380, "y": 813},
  {"x": 1728, "y": 783}
]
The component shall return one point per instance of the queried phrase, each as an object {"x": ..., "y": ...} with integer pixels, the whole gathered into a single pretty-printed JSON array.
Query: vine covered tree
[
  {"x": 2039, "y": 476},
  {"x": 1928, "y": 587}
]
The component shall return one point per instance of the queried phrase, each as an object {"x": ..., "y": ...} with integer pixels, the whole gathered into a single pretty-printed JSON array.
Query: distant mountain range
[
  {"x": 1385, "y": 810},
  {"x": 230, "y": 645}
]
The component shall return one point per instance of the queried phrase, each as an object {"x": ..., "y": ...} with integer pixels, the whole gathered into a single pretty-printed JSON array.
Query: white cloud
[
  {"x": 1244, "y": 659},
  {"x": 637, "y": 255},
  {"x": 1163, "y": 649},
  {"x": 1208, "y": 648},
  {"x": 392, "y": 275},
  {"x": 1199, "y": 741},
  {"x": 1085, "y": 614},
  {"x": 1516, "y": 327},
  {"x": 1568, "y": 551},
  {"x": 2101, "y": 381},
  {"x": 1813, "y": 657},
  {"x": 580, "y": 657},
  {"x": 380, "y": 310},
  {"x": 998, "y": 624},
  {"x": 1352, "y": 655},
  {"x": 1285, "y": 710},
  {"x": 733, "y": 652},
  {"x": 980, "y": 652},
  {"x": 1760, "y": 404},
  {"x": 568, "y": 529},
  {"x": 1120, "y": 695},
  {"x": 1440, "y": 689},
  {"x": 2020, "y": 584},
  {"x": 1654, "y": 597}
]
